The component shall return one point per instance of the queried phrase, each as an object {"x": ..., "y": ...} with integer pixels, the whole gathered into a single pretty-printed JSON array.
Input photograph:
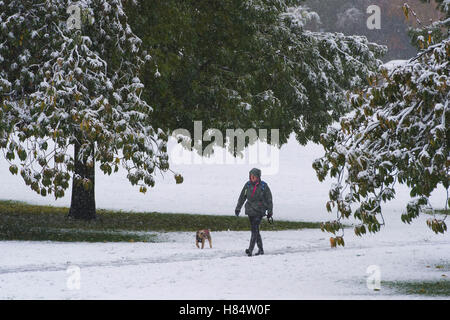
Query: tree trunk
[{"x": 82, "y": 205}]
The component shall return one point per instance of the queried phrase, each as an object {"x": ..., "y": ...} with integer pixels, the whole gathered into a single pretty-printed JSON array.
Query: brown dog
[{"x": 201, "y": 236}]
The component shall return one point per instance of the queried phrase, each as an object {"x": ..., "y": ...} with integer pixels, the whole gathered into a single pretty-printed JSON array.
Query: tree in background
[
  {"x": 248, "y": 64},
  {"x": 398, "y": 132},
  {"x": 350, "y": 17},
  {"x": 62, "y": 88}
]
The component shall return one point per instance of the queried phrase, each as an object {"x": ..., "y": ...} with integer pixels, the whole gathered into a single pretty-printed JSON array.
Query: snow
[
  {"x": 394, "y": 64},
  {"x": 297, "y": 264}
]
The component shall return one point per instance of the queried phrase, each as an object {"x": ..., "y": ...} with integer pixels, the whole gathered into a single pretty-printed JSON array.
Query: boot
[
  {"x": 260, "y": 245},
  {"x": 248, "y": 252}
]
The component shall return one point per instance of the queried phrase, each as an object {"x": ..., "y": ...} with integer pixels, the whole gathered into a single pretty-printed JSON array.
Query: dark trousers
[{"x": 255, "y": 221}]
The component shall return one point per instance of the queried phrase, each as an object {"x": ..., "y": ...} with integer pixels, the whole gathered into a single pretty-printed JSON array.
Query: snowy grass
[
  {"x": 422, "y": 288},
  {"x": 22, "y": 221},
  {"x": 443, "y": 212},
  {"x": 74, "y": 235}
]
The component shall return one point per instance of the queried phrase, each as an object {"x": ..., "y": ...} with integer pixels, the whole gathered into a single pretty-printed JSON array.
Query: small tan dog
[{"x": 201, "y": 236}]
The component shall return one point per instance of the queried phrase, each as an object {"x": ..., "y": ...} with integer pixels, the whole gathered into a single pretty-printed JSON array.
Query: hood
[{"x": 256, "y": 172}]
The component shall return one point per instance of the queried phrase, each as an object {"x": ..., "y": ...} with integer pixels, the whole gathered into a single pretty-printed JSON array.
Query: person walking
[{"x": 256, "y": 193}]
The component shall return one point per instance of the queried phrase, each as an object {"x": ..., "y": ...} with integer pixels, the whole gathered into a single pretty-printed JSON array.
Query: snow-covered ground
[{"x": 297, "y": 264}]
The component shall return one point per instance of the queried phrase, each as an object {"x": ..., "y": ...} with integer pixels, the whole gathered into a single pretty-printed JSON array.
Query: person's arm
[
  {"x": 268, "y": 200},
  {"x": 241, "y": 200}
]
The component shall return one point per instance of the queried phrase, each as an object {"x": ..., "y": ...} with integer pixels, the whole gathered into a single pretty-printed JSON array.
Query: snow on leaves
[
  {"x": 320, "y": 66},
  {"x": 73, "y": 85},
  {"x": 397, "y": 133}
]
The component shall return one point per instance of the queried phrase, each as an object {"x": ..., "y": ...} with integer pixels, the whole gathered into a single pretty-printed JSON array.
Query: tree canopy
[
  {"x": 63, "y": 87},
  {"x": 248, "y": 64},
  {"x": 398, "y": 132}
]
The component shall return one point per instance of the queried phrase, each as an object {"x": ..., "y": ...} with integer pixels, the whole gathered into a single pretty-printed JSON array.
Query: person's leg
[
  {"x": 259, "y": 244},
  {"x": 252, "y": 237},
  {"x": 255, "y": 237},
  {"x": 258, "y": 236}
]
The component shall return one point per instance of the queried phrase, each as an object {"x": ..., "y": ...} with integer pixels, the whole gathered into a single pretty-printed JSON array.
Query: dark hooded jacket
[{"x": 257, "y": 195}]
